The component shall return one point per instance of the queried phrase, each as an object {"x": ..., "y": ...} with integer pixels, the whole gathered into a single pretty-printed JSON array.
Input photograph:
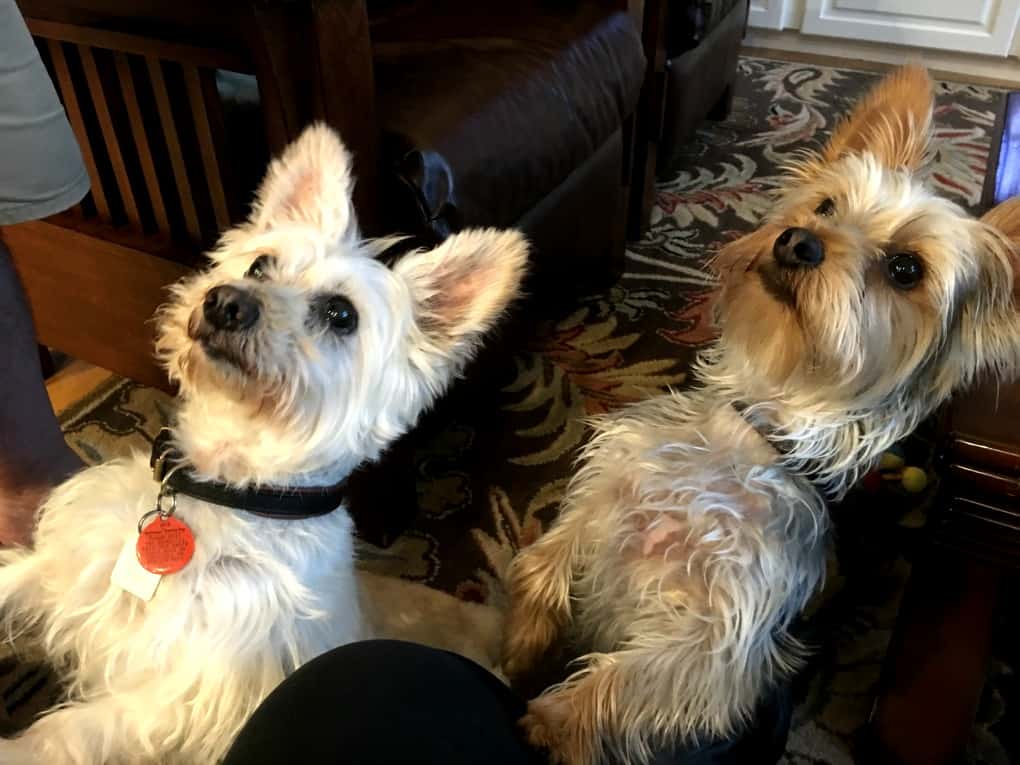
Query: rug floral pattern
[{"x": 491, "y": 475}]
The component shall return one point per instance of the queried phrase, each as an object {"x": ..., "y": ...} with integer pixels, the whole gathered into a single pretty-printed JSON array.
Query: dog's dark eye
[
  {"x": 259, "y": 269},
  {"x": 826, "y": 208},
  {"x": 339, "y": 314},
  {"x": 905, "y": 270}
]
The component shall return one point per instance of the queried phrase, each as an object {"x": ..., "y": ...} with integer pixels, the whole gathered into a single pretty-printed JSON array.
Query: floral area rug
[{"x": 492, "y": 466}]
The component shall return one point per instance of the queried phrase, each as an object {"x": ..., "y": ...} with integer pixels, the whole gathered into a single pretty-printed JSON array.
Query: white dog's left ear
[
  {"x": 309, "y": 183},
  {"x": 462, "y": 286}
]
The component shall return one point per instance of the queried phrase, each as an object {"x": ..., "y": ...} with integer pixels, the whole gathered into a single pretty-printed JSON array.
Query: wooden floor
[{"x": 73, "y": 382}]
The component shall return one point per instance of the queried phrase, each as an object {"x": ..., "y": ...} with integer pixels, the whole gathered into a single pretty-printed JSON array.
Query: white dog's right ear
[{"x": 309, "y": 183}]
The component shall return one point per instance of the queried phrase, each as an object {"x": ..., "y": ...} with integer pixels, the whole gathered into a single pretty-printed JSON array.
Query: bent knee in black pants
[{"x": 384, "y": 701}]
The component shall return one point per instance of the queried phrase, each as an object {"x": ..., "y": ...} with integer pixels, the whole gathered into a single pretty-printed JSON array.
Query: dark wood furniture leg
[
  {"x": 46, "y": 362},
  {"x": 648, "y": 119},
  {"x": 937, "y": 660},
  {"x": 336, "y": 84}
]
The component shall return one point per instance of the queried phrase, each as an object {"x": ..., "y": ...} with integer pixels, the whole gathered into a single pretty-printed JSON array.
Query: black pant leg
[
  {"x": 382, "y": 701},
  {"x": 762, "y": 742}
]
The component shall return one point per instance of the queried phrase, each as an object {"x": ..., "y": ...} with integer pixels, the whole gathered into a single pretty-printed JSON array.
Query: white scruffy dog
[{"x": 299, "y": 357}]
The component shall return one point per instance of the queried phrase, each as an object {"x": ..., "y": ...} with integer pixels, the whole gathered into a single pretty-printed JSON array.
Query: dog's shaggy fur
[
  {"x": 694, "y": 531},
  {"x": 342, "y": 357}
]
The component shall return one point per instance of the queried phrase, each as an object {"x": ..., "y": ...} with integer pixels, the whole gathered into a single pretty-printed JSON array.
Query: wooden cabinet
[
  {"x": 983, "y": 27},
  {"x": 967, "y": 26}
]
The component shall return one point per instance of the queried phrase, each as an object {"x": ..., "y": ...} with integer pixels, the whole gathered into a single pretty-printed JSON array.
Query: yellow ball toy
[
  {"x": 890, "y": 461},
  {"x": 914, "y": 480},
  {"x": 892, "y": 467}
]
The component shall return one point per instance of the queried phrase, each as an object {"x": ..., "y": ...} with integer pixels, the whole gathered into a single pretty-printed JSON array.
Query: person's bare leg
[{"x": 33, "y": 454}]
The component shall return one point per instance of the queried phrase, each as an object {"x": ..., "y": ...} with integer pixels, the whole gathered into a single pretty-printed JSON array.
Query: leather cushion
[{"x": 484, "y": 112}]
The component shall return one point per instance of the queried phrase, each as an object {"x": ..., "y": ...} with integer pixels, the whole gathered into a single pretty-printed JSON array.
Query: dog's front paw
[
  {"x": 528, "y": 635},
  {"x": 550, "y": 726},
  {"x": 532, "y": 624}
]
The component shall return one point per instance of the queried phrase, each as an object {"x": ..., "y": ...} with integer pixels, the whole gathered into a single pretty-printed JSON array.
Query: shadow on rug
[{"x": 491, "y": 480}]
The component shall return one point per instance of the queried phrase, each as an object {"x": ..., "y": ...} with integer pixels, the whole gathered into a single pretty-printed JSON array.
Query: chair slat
[
  {"x": 173, "y": 144},
  {"x": 102, "y": 107},
  {"x": 134, "y": 111},
  {"x": 74, "y": 116},
  {"x": 207, "y": 146}
]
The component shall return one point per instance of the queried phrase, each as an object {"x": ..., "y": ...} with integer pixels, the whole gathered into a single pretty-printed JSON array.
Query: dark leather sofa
[
  {"x": 508, "y": 115},
  {"x": 543, "y": 114}
]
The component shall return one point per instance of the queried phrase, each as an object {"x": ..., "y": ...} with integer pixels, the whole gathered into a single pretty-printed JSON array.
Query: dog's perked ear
[
  {"x": 986, "y": 337},
  {"x": 893, "y": 121},
  {"x": 1005, "y": 218},
  {"x": 462, "y": 286},
  {"x": 309, "y": 183}
]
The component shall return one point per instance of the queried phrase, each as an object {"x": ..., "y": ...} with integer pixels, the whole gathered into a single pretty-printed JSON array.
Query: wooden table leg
[{"x": 937, "y": 660}]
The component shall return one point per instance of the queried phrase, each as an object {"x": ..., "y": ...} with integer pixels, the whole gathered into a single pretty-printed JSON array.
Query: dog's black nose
[
  {"x": 230, "y": 309},
  {"x": 798, "y": 248}
]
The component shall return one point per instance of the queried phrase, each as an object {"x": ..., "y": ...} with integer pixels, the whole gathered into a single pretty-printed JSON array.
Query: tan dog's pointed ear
[
  {"x": 1006, "y": 218},
  {"x": 893, "y": 121},
  {"x": 987, "y": 336}
]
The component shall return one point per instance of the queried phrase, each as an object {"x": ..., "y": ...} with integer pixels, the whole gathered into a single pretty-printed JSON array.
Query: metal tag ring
[
  {"x": 163, "y": 494},
  {"x": 144, "y": 518},
  {"x": 160, "y": 510}
]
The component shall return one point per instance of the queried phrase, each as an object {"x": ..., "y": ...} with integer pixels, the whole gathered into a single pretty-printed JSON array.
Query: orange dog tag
[{"x": 165, "y": 546}]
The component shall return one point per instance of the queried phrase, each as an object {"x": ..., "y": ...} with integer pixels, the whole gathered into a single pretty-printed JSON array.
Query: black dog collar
[
  {"x": 783, "y": 446},
  {"x": 772, "y": 436},
  {"x": 287, "y": 502}
]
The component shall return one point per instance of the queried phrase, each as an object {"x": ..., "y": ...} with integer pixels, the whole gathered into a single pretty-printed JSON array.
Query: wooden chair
[{"x": 138, "y": 81}]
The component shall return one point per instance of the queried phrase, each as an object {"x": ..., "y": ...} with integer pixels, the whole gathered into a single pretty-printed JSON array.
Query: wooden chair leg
[
  {"x": 49, "y": 368},
  {"x": 936, "y": 665},
  {"x": 648, "y": 119}
]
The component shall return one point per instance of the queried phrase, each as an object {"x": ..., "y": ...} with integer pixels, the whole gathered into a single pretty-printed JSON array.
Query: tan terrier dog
[{"x": 694, "y": 531}]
